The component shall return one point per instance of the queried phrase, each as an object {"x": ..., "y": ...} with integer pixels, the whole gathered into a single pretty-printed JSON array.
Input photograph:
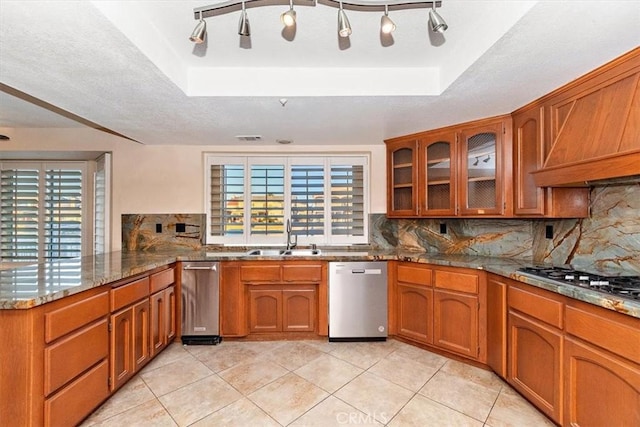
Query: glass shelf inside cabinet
[
  {"x": 439, "y": 175},
  {"x": 481, "y": 168}
]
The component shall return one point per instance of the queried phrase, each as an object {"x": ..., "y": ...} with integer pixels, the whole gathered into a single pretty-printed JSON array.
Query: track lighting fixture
[
  {"x": 476, "y": 162},
  {"x": 199, "y": 33},
  {"x": 487, "y": 159},
  {"x": 243, "y": 26},
  {"x": 288, "y": 18},
  {"x": 344, "y": 27},
  {"x": 437, "y": 23},
  {"x": 386, "y": 24}
]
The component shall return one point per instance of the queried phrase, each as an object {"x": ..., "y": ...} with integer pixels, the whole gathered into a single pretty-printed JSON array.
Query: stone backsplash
[
  {"x": 608, "y": 239},
  {"x": 155, "y": 232}
]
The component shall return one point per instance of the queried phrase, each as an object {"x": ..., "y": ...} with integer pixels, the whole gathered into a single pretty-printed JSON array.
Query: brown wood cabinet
[
  {"x": 497, "y": 323},
  {"x": 129, "y": 329},
  {"x": 273, "y": 297},
  {"x": 459, "y": 323},
  {"x": 402, "y": 178},
  {"x": 530, "y": 200},
  {"x": 284, "y": 308},
  {"x": 535, "y": 347},
  {"x": 461, "y": 170},
  {"x": 414, "y": 299},
  {"x": 162, "y": 328},
  {"x": 441, "y": 307},
  {"x": 602, "y": 367},
  {"x": 593, "y": 126}
]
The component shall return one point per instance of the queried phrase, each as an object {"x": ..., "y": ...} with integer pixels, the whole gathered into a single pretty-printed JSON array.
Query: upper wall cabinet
[
  {"x": 402, "y": 178},
  {"x": 593, "y": 126},
  {"x": 458, "y": 170},
  {"x": 528, "y": 154}
]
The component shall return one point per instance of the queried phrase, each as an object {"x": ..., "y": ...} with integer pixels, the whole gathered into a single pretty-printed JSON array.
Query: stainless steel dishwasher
[
  {"x": 358, "y": 301},
  {"x": 200, "y": 302}
]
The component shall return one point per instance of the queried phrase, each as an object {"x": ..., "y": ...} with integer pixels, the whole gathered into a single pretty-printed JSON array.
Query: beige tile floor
[{"x": 313, "y": 383}]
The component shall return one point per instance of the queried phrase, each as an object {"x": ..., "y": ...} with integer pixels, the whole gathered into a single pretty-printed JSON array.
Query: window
[
  {"x": 46, "y": 210},
  {"x": 250, "y": 199}
]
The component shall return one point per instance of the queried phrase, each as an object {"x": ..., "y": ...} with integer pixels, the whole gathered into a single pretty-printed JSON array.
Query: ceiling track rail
[{"x": 356, "y": 5}]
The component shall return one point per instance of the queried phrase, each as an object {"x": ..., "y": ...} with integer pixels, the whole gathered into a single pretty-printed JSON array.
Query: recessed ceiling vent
[{"x": 249, "y": 137}]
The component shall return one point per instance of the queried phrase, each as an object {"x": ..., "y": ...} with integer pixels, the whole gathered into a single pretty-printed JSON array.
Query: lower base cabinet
[
  {"x": 601, "y": 389},
  {"x": 283, "y": 308},
  {"x": 536, "y": 364},
  {"x": 455, "y": 324}
]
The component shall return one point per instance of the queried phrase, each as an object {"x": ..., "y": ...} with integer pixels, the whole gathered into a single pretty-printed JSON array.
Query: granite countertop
[{"x": 28, "y": 286}]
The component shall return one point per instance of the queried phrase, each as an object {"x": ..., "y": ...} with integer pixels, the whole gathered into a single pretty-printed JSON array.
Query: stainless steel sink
[
  {"x": 302, "y": 252},
  {"x": 266, "y": 252},
  {"x": 283, "y": 252}
]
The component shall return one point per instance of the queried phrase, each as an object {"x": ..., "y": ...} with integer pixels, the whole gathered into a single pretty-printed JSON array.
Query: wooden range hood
[{"x": 592, "y": 126}]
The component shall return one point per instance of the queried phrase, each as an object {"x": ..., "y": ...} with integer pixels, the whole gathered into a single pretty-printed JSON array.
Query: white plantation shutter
[
  {"x": 19, "y": 211},
  {"x": 102, "y": 205},
  {"x": 250, "y": 198},
  {"x": 307, "y": 199},
  {"x": 41, "y": 217},
  {"x": 348, "y": 201},
  {"x": 63, "y": 213}
]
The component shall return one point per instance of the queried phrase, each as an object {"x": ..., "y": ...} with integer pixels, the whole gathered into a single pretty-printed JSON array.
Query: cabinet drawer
[
  {"x": 414, "y": 274},
  {"x": 67, "y": 319},
  {"x": 70, "y": 357},
  {"x": 301, "y": 273},
  {"x": 462, "y": 282},
  {"x": 537, "y": 306},
  {"x": 78, "y": 399},
  {"x": 161, "y": 280},
  {"x": 256, "y": 273},
  {"x": 125, "y": 295},
  {"x": 616, "y": 337}
]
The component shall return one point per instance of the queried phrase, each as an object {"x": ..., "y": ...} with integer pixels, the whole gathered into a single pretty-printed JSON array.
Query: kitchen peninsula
[{"x": 36, "y": 308}]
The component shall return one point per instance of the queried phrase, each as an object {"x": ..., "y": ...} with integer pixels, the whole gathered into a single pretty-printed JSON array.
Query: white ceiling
[{"x": 128, "y": 66}]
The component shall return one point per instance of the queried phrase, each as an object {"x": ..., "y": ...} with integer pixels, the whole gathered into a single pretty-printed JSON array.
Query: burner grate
[{"x": 623, "y": 286}]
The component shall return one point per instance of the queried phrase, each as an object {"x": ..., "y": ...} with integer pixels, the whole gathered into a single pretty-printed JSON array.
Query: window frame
[{"x": 288, "y": 160}]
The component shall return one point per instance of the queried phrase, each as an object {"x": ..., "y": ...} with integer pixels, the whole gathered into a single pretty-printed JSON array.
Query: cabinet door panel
[
  {"x": 415, "y": 312},
  {"x": 122, "y": 362},
  {"x": 141, "y": 333},
  {"x": 299, "y": 309},
  {"x": 438, "y": 174},
  {"x": 402, "y": 176},
  {"x": 158, "y": 322},
  {"x": 497, "y": 324},
  {"x": 233, "y": 317},
  {"x": 535, "y": 363},
  {"x": 265, "y": 310},
  {"x": 600, "y": 388},
  {"x": 171, "y": 320},
  {"x": 456, "y": 322}
]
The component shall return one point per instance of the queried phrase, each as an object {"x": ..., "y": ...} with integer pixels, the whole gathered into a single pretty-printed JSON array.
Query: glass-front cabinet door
[
  {"x": 402, "y": 172},
  {"x": 438, "y": 195},
  {"x": 481, "y": 186}
]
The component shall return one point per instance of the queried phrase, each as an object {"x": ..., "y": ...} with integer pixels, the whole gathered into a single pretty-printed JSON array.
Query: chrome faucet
[{"x": 290, "y": 244}]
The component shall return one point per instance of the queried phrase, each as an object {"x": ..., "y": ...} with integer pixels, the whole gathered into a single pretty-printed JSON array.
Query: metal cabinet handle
[{"x": 212, "y": 268}]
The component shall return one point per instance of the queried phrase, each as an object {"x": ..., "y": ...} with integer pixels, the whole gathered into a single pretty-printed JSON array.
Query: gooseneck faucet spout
[{"x": 290, "y": 244}]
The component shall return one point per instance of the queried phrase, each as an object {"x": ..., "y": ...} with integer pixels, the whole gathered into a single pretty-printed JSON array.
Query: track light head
[
  {"x": 199, "y": 33},
  {"x": 244, "y": 29},
  {"x": 288, "y": 18},
  {"x": 344, "y": 27},
  {"x": 437, "y": 23},
  {"x": 386, "y": 24}
]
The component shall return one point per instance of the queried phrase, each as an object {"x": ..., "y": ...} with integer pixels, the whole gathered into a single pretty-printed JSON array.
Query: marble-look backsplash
[
  {"x": 154, "y": 232},
  {"x": 608, "y": 239}
]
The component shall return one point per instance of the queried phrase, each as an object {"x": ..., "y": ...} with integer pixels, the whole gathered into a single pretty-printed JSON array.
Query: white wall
[{"x": 165, "y": 179}]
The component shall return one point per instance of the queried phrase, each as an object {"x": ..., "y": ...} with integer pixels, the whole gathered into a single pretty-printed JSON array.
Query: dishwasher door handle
[{"x": 212, "y": 268}]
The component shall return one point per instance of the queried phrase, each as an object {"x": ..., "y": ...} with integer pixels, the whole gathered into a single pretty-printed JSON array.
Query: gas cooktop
[{"x": 622, "y": 286}]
